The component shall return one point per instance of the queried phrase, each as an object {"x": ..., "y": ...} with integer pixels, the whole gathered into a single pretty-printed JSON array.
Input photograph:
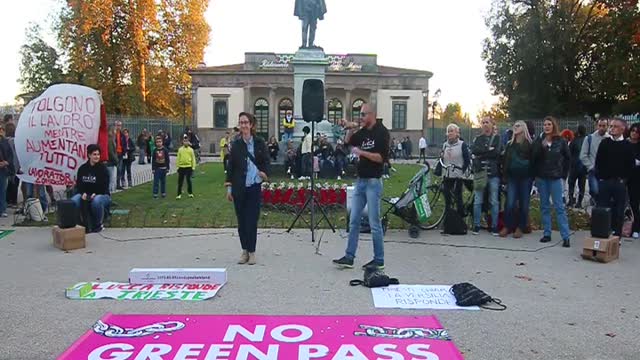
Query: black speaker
[
  {"x": 67, "y": 214},
  {"x": 601, "y": 223},
  {"x": 313, "y": 100}
]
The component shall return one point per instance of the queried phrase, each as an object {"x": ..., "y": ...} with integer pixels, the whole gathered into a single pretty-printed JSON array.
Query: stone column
[
  {"x": 248, "y": 106},
  {"x": 347, "y": 105},
  {"x": 273, "y": 113},
  {"x": 194, "y": 107},
  {"x": 373, "y": 99}
]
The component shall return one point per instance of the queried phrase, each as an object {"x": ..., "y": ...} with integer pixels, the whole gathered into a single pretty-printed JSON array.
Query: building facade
[{"x": 263, "y": 85}]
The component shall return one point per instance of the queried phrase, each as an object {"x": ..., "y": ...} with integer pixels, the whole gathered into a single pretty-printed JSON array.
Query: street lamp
[
  {"x": 436, "y": 96},
  {"x": 182, "y": 92}
]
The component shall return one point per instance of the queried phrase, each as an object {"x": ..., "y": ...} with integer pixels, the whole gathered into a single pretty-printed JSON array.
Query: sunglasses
[{"x": 363, "y": 114}]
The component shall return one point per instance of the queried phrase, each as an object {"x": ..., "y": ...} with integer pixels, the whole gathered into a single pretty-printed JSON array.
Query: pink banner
[{"x": 208, "y": 337}]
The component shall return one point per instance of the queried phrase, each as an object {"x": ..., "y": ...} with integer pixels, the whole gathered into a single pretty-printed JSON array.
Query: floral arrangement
[{"x": 295, "y": 194}]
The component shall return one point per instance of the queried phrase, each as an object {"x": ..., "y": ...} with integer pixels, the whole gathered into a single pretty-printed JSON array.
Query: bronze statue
[{"x": 309, "y": 11}]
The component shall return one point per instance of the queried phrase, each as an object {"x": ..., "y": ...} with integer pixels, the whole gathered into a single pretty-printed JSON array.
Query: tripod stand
[{"x": 312, "y": 202}]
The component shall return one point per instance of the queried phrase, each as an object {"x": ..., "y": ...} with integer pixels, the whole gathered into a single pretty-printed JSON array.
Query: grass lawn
[{"x": 210, "y": 209}]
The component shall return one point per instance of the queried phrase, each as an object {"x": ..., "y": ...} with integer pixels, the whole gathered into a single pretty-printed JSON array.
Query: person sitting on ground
[
  {"x": 92, "y": 186},
  {"x": 274, "y": 148}
]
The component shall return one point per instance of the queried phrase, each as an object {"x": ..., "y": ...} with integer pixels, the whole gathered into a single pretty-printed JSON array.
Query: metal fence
[{"x": 135, "y": 125}]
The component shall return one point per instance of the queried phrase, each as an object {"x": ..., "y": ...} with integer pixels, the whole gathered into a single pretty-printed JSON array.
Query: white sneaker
[
  {"x": 288, "y": 171},
  {"x": 339, "y": 178},
  {"x": 292, "y": 177},
  {"x": 301, "y": 178},
  {"x": 635, "y": 235},
  {"x": 4, "y": 215}
]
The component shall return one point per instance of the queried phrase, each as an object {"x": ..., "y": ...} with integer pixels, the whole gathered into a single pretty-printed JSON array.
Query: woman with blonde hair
[
  {"x": 517, "y": 171},
  {"x": 551, "y": 163}
]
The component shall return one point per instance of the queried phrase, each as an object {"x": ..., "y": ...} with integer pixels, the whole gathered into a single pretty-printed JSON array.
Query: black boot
[
  {"x": 566, "y": 243},
  {"x": 571, "y": 201},
  {"x": 579, "y": 202},
  {"x": 545, "y": 239}
]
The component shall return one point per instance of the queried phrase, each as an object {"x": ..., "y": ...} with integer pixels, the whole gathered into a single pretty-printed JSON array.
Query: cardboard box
[
  {"x": 69, "y": 239},
  {"x": 601, "y": 250},
  {"x": 178, "y": 276}
]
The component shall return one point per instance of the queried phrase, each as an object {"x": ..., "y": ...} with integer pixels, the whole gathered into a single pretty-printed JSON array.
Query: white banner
[
  {"x": 417, "y": 297},
  {"x": 125, "y": 291},
  {"x": 54, "y": 131}
]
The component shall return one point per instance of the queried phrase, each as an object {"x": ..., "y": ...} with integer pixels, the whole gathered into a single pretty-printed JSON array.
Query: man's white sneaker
[
  {"x": 339, "y": 178},
  {"x": 635, "y": 235}
]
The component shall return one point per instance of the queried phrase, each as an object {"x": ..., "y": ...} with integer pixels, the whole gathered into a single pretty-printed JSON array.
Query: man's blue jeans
[
  {"x": 368, "y": 192},
  {"x": 552, "y": 188},
  {"x": 99, "y": 205},
  {"x": 494, "y": 187},
  {"x": 518, "y": 193},
  {"x": 593, "y": 185}
]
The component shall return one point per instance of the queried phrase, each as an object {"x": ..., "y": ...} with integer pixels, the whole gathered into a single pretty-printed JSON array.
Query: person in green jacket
[{"x": 186, "y": 164}]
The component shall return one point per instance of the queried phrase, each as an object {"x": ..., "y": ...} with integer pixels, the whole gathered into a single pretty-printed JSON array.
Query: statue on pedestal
[{"x": 309, "y": 11}]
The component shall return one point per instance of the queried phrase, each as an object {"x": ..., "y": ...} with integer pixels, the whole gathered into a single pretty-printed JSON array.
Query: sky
[{"x": 441, "y": 36}]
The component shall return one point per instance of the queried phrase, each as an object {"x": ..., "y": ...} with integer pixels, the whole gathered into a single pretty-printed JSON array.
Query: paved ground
[{"x": 564, "y": 312}]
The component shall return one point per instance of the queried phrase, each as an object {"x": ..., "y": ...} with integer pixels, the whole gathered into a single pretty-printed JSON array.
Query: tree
[
  {"x": 136, "y": 51},
  {"x": 498, "y": 111},
  {"x": 39, "y": 62},
  {"x": 453, "y": 114},
  {"x": 564, "y": 57}
]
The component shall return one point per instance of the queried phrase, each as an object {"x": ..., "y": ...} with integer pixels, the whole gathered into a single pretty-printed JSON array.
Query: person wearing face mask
[
  {"x": 613, "y": 167},
  {"x": 289, "y": 125}
]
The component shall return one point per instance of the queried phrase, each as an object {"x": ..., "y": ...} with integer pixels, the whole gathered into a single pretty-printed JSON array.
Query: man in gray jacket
[{"x": 589, "y": 151}]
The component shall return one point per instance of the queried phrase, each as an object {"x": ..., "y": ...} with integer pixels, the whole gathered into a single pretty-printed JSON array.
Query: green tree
[
  {"x": 453, "y": 114},
  {"x": 498, "y": 111},
  {"x": 565, "y": 57},
  {"x": 39, "y": 62}
]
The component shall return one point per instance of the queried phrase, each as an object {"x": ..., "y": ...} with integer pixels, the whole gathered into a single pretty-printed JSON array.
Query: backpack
[
  {"x": 469, "y": 295},
  {"x": 33, "y": 210},
  {"x": 454, "y": 223},
  {"x": 374, "y": 278}
]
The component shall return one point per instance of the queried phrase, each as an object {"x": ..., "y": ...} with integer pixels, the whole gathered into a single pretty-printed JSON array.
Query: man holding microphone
[{"x": 371, "y": 145}]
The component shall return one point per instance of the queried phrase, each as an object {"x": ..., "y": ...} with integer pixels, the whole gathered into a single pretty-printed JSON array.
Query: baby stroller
[{"x": 405, "y": 205}]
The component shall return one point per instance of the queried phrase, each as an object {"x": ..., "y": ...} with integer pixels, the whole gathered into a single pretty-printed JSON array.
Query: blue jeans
[
  {"x": 518, "y": 193},
  {"x": 552, "y": 188},
  {"x": 285, "y": 139},
  {"x": 142, "y": 155},
  {"x": 99, "y": 205},
  {"x": 368, "y": 192},
  {"x": 4, "y": 183},
  {"x": 494, "y": 187},
  {"x": 160, "y": 179},
  {"x": 593, "y": 185}
]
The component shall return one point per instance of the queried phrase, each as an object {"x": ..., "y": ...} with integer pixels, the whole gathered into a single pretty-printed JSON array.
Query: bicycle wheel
[{"x": 436, "y": 202}]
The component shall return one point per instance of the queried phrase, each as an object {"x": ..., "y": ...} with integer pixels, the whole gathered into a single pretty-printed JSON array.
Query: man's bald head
[{"x": 367, "y": 115}]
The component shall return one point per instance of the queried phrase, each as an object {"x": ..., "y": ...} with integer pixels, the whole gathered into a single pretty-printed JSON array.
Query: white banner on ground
[
  {"x": 125, "y": 291},
  {"x": 417, "y": 297},
  {"x": 54, "y": 131}
]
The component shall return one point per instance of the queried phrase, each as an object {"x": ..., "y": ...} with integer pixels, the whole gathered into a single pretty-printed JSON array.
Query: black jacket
[
  {"x": 237, "y": 167},
  {"x": 6, "y": 154},
  {"x": 551, "y": 162},
  {"x": 486, "y": 154},
  {"x": 574, "y": 148},
  {"x": 92, "y": 179}
]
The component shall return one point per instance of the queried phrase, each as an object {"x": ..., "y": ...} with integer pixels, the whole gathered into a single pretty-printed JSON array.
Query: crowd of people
[{"x": 555, "y": 162}]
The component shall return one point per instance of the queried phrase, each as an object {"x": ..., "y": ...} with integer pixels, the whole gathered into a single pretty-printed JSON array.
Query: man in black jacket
[
  {"x": 92, "y": 186},
  {"x": 614, "y": 163},
  {"x": 486, "y": 154}
]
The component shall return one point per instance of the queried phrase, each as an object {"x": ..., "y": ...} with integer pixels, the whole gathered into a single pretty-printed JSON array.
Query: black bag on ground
[
  {"x": 601, "y": 222},
  {"x": 374, "y": 278},
  {"x": 469, "y": 295},
  {"x": 454, "y": 223},
  {"x": 327, "y": 170}
]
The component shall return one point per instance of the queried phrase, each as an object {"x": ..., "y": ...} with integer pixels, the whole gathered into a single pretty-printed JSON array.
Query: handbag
[
  {"x": 467, "y": 294},
  {"x": 374, "y": 278}
]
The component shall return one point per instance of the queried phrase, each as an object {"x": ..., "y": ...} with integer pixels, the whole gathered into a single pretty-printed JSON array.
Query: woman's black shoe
[
  {"x": 566, "y": 243},
  {"x": 545, "y": 239}
]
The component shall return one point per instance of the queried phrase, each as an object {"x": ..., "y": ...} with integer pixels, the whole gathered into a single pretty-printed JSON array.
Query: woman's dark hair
[
  {"x": 10, "y": 130},
  {"x": 531, "y": 127},
  {"x": 555, "y": 132},
  {"x": 582, "y": 131},
  {"x": 634, "y": 127},
  {"x": 252, "y": 121},
  {"x": 306, "y": 130},
  {"x": 92, "y": 148}
]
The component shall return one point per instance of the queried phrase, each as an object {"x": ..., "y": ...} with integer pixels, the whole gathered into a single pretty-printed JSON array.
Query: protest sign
[
  {"x": 417, "y": 297},
  {"x": 124, "y": 291},
  {"x": 54, "y": 131},
  {"x": 129, "y": 337}
]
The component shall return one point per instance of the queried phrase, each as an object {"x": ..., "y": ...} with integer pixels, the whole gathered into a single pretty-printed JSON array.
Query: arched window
[
  {"x": 285, "y": 107},
  {"x": 355, "y": 109},
  {"x": 261, "y": 111},
  {"x": 335, "y": 111}
]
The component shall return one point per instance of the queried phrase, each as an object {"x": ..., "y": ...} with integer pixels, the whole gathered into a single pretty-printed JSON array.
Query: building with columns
[{"x": 263, "y": 85}]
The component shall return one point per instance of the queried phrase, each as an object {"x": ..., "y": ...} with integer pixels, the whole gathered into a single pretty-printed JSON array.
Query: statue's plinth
[{"x": 308, "y": 64}]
